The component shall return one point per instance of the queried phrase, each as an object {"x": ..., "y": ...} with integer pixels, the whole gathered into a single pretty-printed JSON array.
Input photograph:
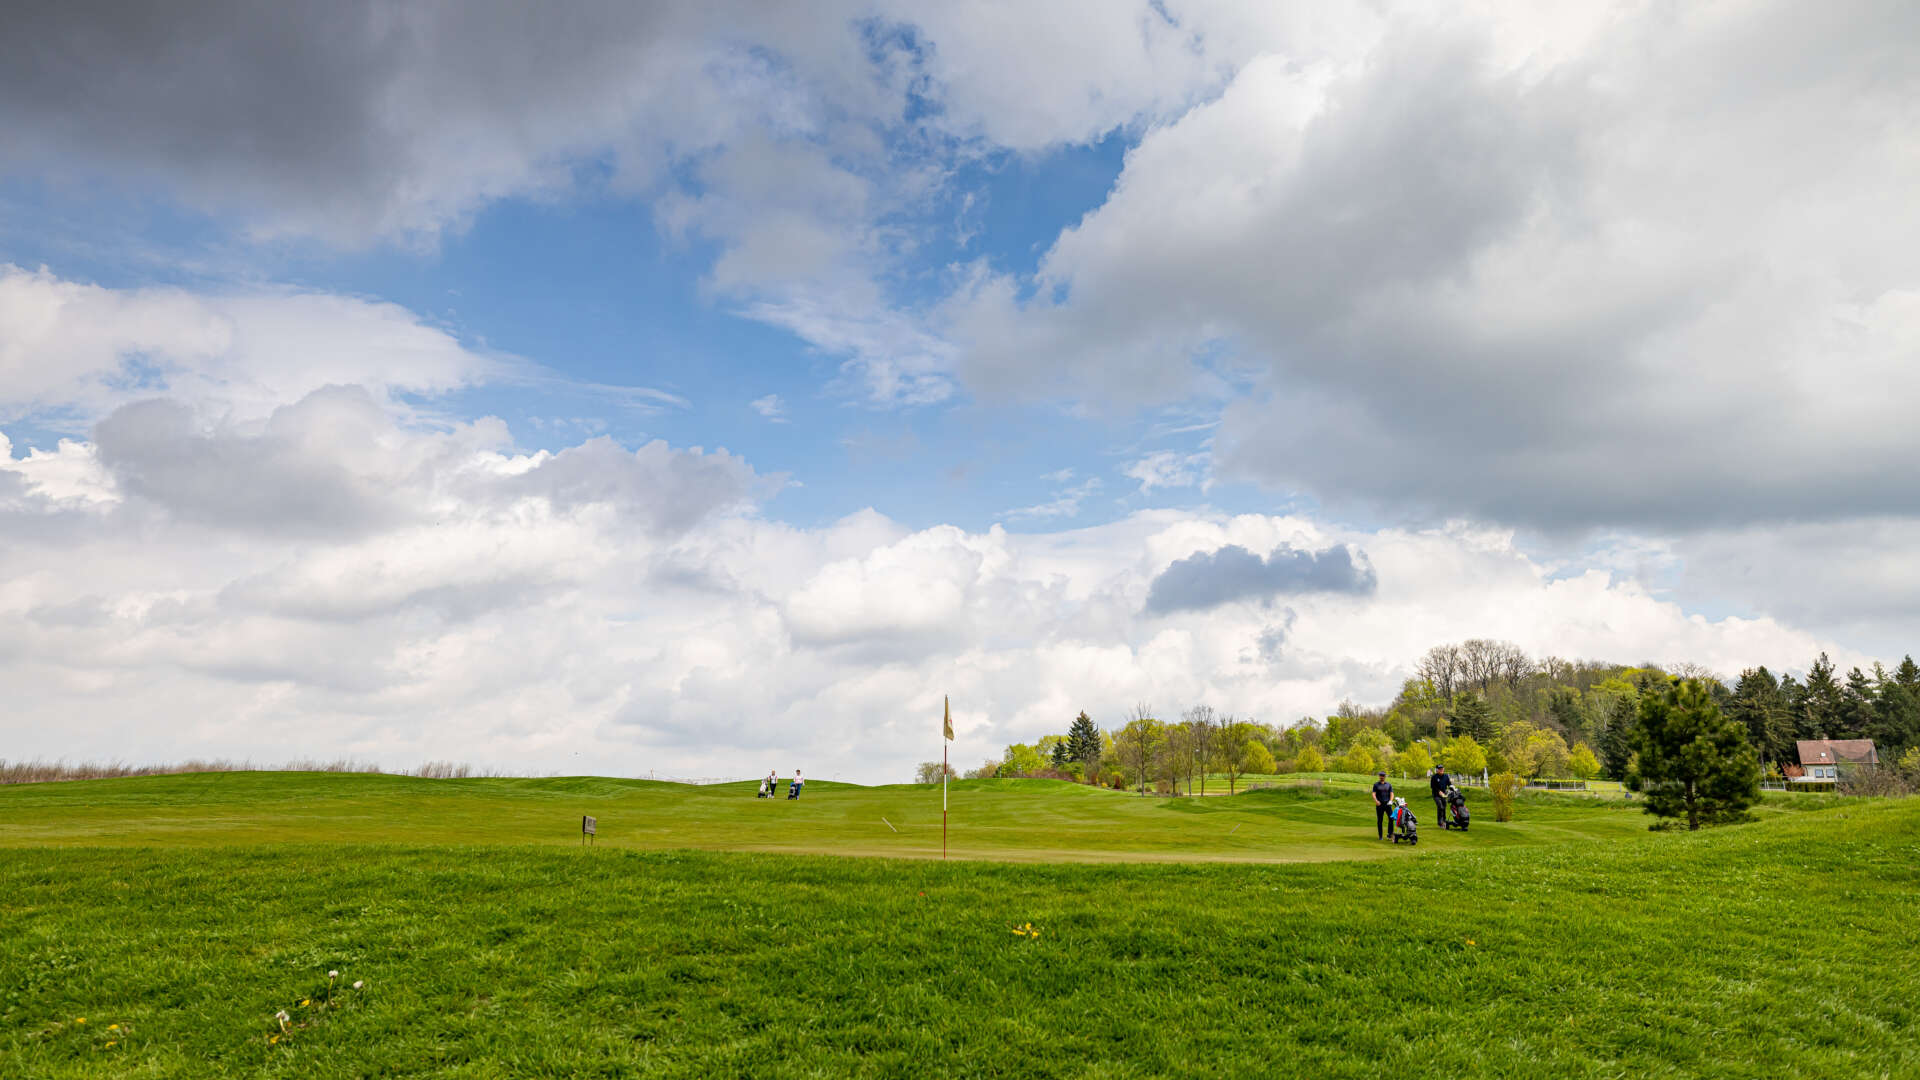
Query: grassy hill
[
  {"x": 1778, "y": 948},
  {"x": 1037, "y": 820}
]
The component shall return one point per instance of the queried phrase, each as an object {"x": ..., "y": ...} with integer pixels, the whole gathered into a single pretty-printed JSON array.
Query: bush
[
  {"x": 1503, "y": 787},
  {"x": 1357, "y": 759},
  {"x": 1310, "y": 761}
]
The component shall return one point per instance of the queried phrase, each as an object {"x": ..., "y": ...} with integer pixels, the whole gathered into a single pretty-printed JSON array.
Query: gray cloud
[
  {"x": 359, "y": 119},
  {"x": 1208, "y": 579},
  {"x": 284, "y": 478},
  {"x": 1657, "y": 273}
]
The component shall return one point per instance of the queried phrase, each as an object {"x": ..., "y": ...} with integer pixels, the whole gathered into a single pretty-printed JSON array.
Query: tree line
[{"x": 1484, "y": 707}]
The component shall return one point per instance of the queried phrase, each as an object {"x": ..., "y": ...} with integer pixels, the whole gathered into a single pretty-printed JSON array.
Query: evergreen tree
[
  {"x": 1759, "y": 707},
  {"x": 1061, "y": 755},
  {"x": 1819, "y": 705},
  {"x": 1564, "y": 709},
  {"x": 1907, "y": 675},
  {"x": 1856, "y": 707},
  {"x": 1691, "y": 759},
  {"x": 1616, "y": 741},
  {"x": 1083, "y": 744},
  {"x": 1471, "y": 717},
  {"x": 1896, "y": 718}
]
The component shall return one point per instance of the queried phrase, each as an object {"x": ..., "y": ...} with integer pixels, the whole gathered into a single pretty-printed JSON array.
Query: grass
[
  {"x": 1575, "y": 944},
  {"x": 1025, "y": 820}
]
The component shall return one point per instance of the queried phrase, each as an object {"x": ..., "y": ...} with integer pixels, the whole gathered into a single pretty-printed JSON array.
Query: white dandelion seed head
[
  {"x": 358, "y": 983},
  {"x": 333, "y": 974}
]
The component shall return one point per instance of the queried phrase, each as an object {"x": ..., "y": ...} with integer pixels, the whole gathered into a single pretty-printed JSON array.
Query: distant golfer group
[
  {"x": 1393, "y": 820},
  {"x": 770, "y": 787}
]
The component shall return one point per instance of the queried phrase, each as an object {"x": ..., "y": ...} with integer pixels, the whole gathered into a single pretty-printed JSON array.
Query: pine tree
[
  {"x": 1691, "y": 758},
  {"x": 1758, "y": 706},
  {"x": 1908, "y": 675},
  {"x": 1819, "y": 705},
  {"x": 1856, "y": 707},
  {"x": 1471, "y": 717},
  {"x": 1616, "y": 741},
  {"x": 1083, "y": 744}
]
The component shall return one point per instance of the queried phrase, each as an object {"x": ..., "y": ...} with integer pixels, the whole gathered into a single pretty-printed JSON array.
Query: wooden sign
[{"x": 587, "y": 827}]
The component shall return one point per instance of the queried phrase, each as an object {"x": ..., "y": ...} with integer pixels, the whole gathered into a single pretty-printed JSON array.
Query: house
[{"x": 1821, "y": 759}]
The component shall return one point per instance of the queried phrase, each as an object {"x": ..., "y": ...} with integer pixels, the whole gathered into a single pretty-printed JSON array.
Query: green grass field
[{"x": 178, "y": 915}]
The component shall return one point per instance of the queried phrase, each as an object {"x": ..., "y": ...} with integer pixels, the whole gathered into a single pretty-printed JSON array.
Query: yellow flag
[{"x": 946, "y": 722}]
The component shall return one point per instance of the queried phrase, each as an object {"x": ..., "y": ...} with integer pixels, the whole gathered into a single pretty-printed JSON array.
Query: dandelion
[
  {"x": 113, "y": 1027},
  {"x": 79, "y": 1019},
  {"x": 1469, "y": 941},
  {"x": 306, "y": 1001},
  {"x": 357, "y": 984},
  {"x": 273, "y": 1039},
  {"x": 110, "y": 1042},
  {"x": 283, "y": 1018},
  {"x": 333, "y": 974}
]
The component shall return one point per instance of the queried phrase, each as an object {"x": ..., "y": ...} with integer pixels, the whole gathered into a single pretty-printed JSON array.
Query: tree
[
  {"x": 1758, "y": 706},
  {"x": 1616, "y": 741},
  {"x": 1517, "y": 748},
  {"x": 1205, "y": 731},
  {"x": 1549, "y": 753},
  {"x": 1581, "y": 762},
  {"x": 1896, "y": 716},
  {"x": 1357, "y": 759},
  {"x": 1236, "y": 740},
  {"x": 1414, "y": 761},
  {"x": 1690, "y": 758},
  {"x": 1464, "y": 756},
  {"x": 1441, "y": 668},
  {"x": 1503, "y": 787},
  {"x": 1139, "y": 743},
  {"x": 1054, "y": 749},
  {"x": 1471, "y": 717},
  {"x": 1565, "y": 709},
  {"x": 1259, "y": 758},
  {"x": 1310, "y": 760},
  {"x": 1855, "y": 720},
  {"x": 1819, "y": 704},
  {"x": 1022, "y": 760},
  {"x": 928, "y": 772},
  {"x": 1084, "y": 744}
]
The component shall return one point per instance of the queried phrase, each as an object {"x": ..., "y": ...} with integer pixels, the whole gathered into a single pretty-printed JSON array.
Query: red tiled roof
[{"x": 1835, "y": 751}]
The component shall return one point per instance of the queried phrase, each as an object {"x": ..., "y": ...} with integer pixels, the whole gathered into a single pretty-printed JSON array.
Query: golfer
[
  {"x": 1382, "y": 808},
  {"x": 1440, "y": 782}
]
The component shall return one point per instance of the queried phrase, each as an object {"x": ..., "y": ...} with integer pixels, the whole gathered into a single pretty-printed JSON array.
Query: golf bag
[
  {"x": 1405, "y": 825},
  {"x": 1457, "y": 803},
  {"x": 793, "y": 791}
]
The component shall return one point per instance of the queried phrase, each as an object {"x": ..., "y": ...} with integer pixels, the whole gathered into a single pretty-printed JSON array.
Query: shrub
[
  {"x": 1503, "y": 787},
  {"x": 1311, "y": 761}
]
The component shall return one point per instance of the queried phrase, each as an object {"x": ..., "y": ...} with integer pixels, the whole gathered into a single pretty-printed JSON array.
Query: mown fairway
[
  {"x": 1779, "y": 948},
  {"x": 1037, "y": 820}
]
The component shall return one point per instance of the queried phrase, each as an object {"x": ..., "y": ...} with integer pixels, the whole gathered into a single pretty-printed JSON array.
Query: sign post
[{"x": 587, "y": 826}]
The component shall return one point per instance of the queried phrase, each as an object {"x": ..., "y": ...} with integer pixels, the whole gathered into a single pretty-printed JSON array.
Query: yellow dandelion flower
[
  {"x": 110, "y": 1042},
  {"x": 306, "y": 1001},
  {"x": 273, "y": 1039},
  {"x": 1469, "y": 941},
  {"x": 79, "y": 1019},
  {"x": 113, "y": 1027}
]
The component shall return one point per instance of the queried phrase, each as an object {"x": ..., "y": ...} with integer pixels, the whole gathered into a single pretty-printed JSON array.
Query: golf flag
[{"x": 946, "y": 728}]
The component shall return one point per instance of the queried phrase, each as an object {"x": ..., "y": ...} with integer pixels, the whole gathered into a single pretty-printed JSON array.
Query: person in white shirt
[{"x": 794, "y": 791}]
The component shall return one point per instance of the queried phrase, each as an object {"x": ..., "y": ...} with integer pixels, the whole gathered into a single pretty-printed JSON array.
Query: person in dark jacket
[
  {"x": 1440, "y": 782},
  {"x": 1382, "y": 808}
]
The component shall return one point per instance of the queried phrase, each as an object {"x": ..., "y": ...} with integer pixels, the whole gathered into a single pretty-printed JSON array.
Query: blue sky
[{"x": 375, "y": 384}]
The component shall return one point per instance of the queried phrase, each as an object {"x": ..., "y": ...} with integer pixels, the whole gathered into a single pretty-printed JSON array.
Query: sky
[{"x": 694, "y": 389}]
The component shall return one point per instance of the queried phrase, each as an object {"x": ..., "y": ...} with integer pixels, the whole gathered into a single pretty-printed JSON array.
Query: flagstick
[{"x": 943, "y": 798}]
